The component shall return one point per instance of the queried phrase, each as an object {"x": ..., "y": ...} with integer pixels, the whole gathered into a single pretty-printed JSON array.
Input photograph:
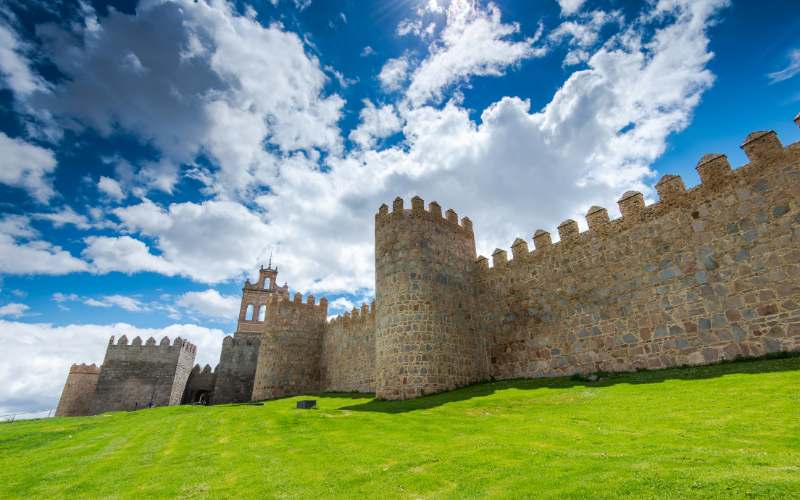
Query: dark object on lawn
[
  {"x": 255, "y": 404},
  {"x": 306, "y": 404}
]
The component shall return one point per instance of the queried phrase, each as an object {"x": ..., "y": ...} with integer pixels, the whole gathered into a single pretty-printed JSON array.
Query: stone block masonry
[
  {"x": 703, "y": 275},
  {"x": 347, "y": 363},
  {"x": 291, "y": 344},
  {"x": 236, "y": 371},
  {"x": 128, "y": 374},
  {"x": 201, "y": 381},
  {"x": 427, "y": 336},
  {"x": 76, "y": 398}
]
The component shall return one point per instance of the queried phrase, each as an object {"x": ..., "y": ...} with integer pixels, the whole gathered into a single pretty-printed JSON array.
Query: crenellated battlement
[
  {"x": 703, "y": 274},
  {"x": 434, "y": 214},
  {"x": 151, "y": 342},
  {"x": 717, "y": 180},
  {"x": 357, "y": 314},
  {"x": 92, "y": 369},
  {"x": 205, "y": 370}
]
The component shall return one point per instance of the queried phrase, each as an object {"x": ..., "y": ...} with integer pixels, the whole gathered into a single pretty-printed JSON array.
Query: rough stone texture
[
  {"x": 236, "y": 370},
  {"x": 291, "y": 344},
  {"x": 200, "y": 382},
  {"x": 76, "y": 398},
  {"x": 348, "y": 352},
  {"x": 705, "y": 275},
  {"x": 128, "y": 372},
  {"x": 426, "y": 336}
]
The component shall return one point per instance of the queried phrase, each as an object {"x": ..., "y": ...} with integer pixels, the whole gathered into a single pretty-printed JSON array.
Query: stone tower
[
  {"x": 76, "y": 398},
  {"x": 291, "y": 345},
  {"x": 254, "y": 299},
  {"x": 427, "y": 337}
]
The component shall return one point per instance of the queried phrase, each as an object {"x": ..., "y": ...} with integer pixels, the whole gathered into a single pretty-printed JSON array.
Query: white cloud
[
  {"x": 124, "y": 254},
  {"x": 570, "y": 6},
  {"x": 111, "y": 188},
  {"x": 433, "y": 6},
  {"x": 20, "y": 293},
  {"x": 26, "y": 166},
  {"x": 407, "y": 26},
  {"x": 96, "y": 303},
  {"x": 585, "y": 31},
  {"x": 376, "y": 123},
  {"x": 15, "y": 73},
  {"x": 35, "y": 357},
  {"x": 790, "y": 70},
  {"x": 368, "y": 51},
  {"x": 234, "y": 241},
  {"x": 205, "y": 80},
  {"x": 128, "y": 303},
  {"x": 65, "y": 216},
  {"x": 32, "y": 256},
  {"x": 211, "y": 303},
  {"x": 13, "y": 310},
  {"x": 474, "y": 43},
  {"x": 61, "y": 298},
  {"x": 394, "y": 73},
  {"x": 340, "y": 304},
  {"x": 320, "y": 223}
]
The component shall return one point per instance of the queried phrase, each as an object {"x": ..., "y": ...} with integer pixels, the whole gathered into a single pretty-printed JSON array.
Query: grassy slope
[{"x": 725, "y": 431}]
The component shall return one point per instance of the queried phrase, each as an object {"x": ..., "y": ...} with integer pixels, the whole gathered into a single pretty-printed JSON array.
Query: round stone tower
[
  {"x": 288, "y": 356},
  {"x": 427, "y": 338}
]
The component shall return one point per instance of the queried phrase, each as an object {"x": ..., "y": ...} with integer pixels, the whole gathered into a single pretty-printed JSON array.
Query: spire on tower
[{"x": 269, "y": 266}]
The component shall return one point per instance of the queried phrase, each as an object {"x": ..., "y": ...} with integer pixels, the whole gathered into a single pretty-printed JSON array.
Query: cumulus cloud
[
  {"x": 204, "y": 81},
  {"x": 14, "y": 310},
  {"x": 394, "y": 73},
  {"x": 376, "y": 123},
  {"x": 35, "y": 358},
  {"x": 22, "y": 253},
  {"x": 111, "y": 188},
  {"x": 595, "y": 139},
  {"x": 570, "y": 6},
  {"x": 475, "y": 42},
  {"x": 210, "y": 303},
  {"x": 27, "y": 166}
]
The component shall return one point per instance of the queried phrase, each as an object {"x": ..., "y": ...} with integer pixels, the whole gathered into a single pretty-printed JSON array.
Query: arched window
[
  {"x": 262, "y": 311},
  {"x": 248, "y": 316},
  {"x": 266, "y": 283}
]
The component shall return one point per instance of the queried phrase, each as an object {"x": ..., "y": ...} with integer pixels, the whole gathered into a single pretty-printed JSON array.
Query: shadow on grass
[{"x": 481, "y": 389}]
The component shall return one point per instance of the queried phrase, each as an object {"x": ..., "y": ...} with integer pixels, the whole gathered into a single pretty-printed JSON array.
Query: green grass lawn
[{"x": 722, "y": 431}]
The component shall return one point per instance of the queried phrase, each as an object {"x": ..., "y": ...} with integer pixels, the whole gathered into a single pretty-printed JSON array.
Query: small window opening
[
  {"x": 262, "y": 311},
  {"x": 248, "y": 316},
  {"x": 266, "y": 283}
]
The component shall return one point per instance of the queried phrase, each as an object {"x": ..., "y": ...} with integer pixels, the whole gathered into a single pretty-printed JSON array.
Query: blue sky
[{"x": 155, "y": 153}]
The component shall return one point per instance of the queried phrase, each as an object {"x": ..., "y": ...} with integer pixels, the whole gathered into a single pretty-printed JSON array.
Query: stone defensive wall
[
  {"x": 236, "y": 370},
  {"x": 201, "y": 381},
  {"x": 702, "y": 275},
  {"x": 427, "y": 336},
  {"x": 76, "y": 398},
  {"x": 347, "y": 363},
  {"x": 291, "y": 343},
  {"x": 128, "y": 373}
]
